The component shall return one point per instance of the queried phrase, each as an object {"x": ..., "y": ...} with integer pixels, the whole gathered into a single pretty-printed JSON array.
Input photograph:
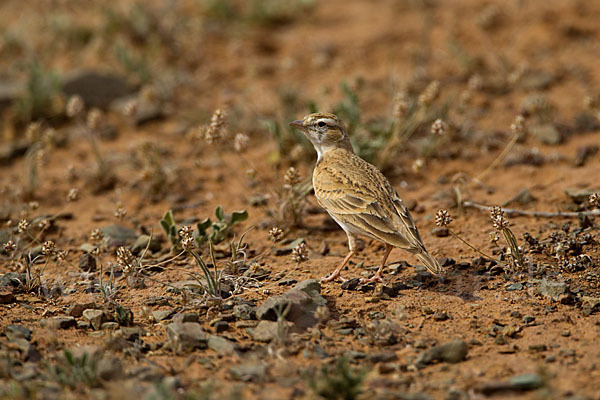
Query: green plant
[
  {"x": 340, "y": 382},
  {"x": 217, "y": 231},
  {"x": 75, "y": 371},
  {"x": 207, "y": 231},
  {"x": 43, "y": 86}
]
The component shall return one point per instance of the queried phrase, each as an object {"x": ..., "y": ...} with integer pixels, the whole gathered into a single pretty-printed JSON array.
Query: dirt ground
[{"x": 485, "y": 328}]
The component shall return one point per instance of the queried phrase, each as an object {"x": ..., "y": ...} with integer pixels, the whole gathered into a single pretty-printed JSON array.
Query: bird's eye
[{"x": 321, "y": 124}]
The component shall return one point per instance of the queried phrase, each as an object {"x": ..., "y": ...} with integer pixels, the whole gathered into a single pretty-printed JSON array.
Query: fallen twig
[{"x": 544, "y": 214}]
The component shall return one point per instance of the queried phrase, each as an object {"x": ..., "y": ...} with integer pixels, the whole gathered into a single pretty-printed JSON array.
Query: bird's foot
[
  {"x": 333, "y": 277},
  {"x": 375, "y": 278}
]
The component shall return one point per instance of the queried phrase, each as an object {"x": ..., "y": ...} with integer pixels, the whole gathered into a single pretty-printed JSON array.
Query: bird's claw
[
  {"x": 333, "y": 277},
  {"x": 375, "y": 278}
]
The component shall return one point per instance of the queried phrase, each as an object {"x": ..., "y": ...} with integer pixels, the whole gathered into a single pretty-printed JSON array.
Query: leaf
[
  {"x": 168, "y": 218},
  {"x": 238, "y": 216},
  {"x": 202, "y": 226},
  {"x": 220, "y": 213}
]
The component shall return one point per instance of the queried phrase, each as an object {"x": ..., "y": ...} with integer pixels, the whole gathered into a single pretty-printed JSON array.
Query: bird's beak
[{"x": 298, "y": 124}]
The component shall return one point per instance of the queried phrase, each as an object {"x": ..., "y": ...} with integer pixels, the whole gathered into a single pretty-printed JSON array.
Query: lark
[{"x": 358, "y": 196}]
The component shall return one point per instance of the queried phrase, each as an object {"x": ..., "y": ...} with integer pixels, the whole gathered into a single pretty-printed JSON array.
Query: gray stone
[
  {"x": 118, "y": 235},
  {"x": 249, "y": 372},
  {"x": 161, "y": 315},
  {"x": 14, "y": 332},
  {"x": 76, "y": 310},
  {"x": 267, "y": 331},
  {"x": 244, "y": 312},
  {"x": 302, "y": 300},
  {"x": 186, "y": 336},
  {"x": 580, "y": 196},
  {"x": 97, "y": 89},
  {"x": 186, "y": 317},
  {"x": 12, "y": 279},
  {"x": 87, "y": 262},
  {"x": 110, "y": 368},
  {"x": 130, "y": 332},
  {"x": 547, "y": 134},
  {"x": 557, "y": 291},
  {"x": 109, "y": 326},
  {"x": 451, "y": 352},
  {"x": 524, "y": 197},
  {"x": 221, "y": 345},
  {"x": 142, "y": 242},
  {"x": 58, "y": 322},
  {"x": 94, "y": 317}
]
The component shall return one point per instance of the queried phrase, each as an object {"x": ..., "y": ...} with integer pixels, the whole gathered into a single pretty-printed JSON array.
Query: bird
[{"x": 358, "y": 196}]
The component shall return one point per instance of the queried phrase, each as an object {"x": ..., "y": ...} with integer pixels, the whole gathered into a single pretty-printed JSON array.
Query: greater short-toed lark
[{"x": 358, "y": 196}]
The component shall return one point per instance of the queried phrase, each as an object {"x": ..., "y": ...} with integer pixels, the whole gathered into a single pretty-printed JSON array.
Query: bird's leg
[
  {"x": 336, "y": 274},
  {"x": 378, "y": 277}
]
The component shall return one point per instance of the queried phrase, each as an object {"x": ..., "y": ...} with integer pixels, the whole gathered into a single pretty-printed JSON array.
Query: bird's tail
[{"x": 430, "y": 262}]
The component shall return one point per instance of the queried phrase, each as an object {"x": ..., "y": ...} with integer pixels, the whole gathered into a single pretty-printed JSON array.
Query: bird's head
[{"x": 325, "y": 131}]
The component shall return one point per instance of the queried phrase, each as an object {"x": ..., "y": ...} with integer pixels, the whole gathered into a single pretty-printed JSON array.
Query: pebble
[
  {"x": 451, "y": 352},
  {"x": 58, "y": 322},
  {"x": 94, "y": 317},
  {"x": 186, "y": 336}
]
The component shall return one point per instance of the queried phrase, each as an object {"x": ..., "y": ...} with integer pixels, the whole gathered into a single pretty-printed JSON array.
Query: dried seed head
[
  {"x": 590, "y": 102},
  {"x": 33, "y": 205},
  {"x": 23, "y": 226},
  {"x": 44, "y": 224},
  {"x": 75, "y": 106},
  {"x": 430, "y": 94},
  {"x": 120, "y": 212},
  {"x": 73, "y": 195},
  {"x": 33, "y": 131},
  {"x": 475, "y": 82},
  {"x": 496, "y": 211},
  {"x": 494, "y": 237},
  {"x": 130, "y": 108},
  {"x": 62, "y": 255},
  {"x": 300, "y": 253},
  {"x": 48, "y": 248},
  {"x": 442, "y": 218},
  {"x": 500, "y": 222},
  {"x": 275, "y": 234},
  {"x": 96, "y": 235},
  {"x": 186, "y": 231},
  {"x": 518, "y": 126},
  {"x": 240, "y": 143},
  {"x": 217, "y": 129},
  {"x": 125, "y": 258},
  {"x": 10, "y": 246},
  {"x": 292, "y": 177},
  {"x": 595, "y": 200},
  {"x": 418, "y": 165},
  {"x": 401, "y": 106},
  {"x": 95, "y": 118},
  {"x": 439, "y": 127},
  {"x": 187, "y": 243}
]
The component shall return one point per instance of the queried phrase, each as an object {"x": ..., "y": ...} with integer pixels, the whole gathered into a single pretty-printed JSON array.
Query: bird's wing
[{"x": 365, "y": 200}]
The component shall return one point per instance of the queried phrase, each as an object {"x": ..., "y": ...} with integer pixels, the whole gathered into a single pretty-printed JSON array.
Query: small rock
[
  {"x": 12, "y": 279},
  {"x": 94, "y": 317},
  {"x": 580, "y": 196},
  {"x": 440, "y": 231},
  {"x": 267, "y": 331},
  {"x": 7, "y": 296},
  {"x": 514, "y": 286},
  {"x": 221, "y": 326},
  {"x": 303, "y": 300},
  {"x": 249, "y": 372},
  {"x": 451, "y": 352},
  {"x": 76, "y": 310},
  {"x": 186, "y": 336},
  {"x": 118, "y": 235},
  {"x": 440, "y": 316},
  {"x": 87, "y": 262},
  {"x": 528, "y": 319},
  {"x": 522, "y": 383},
  {"x": 96, "y": 89},
  {"x": 351, "y": 284},
  {"x": 584, "y": 153},
  {"x": 557, "y": 291},
  {"x": 524, "y": 197},
  {"x": 161, "y": 315},
  {"x": 130, "y": 333},
  {"x": 244, "y": 312},
  {"x": 547, "y": 134},
  {"x": 141, "y": 243},
  {"x": 221, "y": 345},
  {"x": 110, "y": 368},
  {"x": 14, "y": 332},
  {"x": 58, "y": 322},
  {"x": 109, "y": 326},
  {"x": 186, "y": 317}
]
